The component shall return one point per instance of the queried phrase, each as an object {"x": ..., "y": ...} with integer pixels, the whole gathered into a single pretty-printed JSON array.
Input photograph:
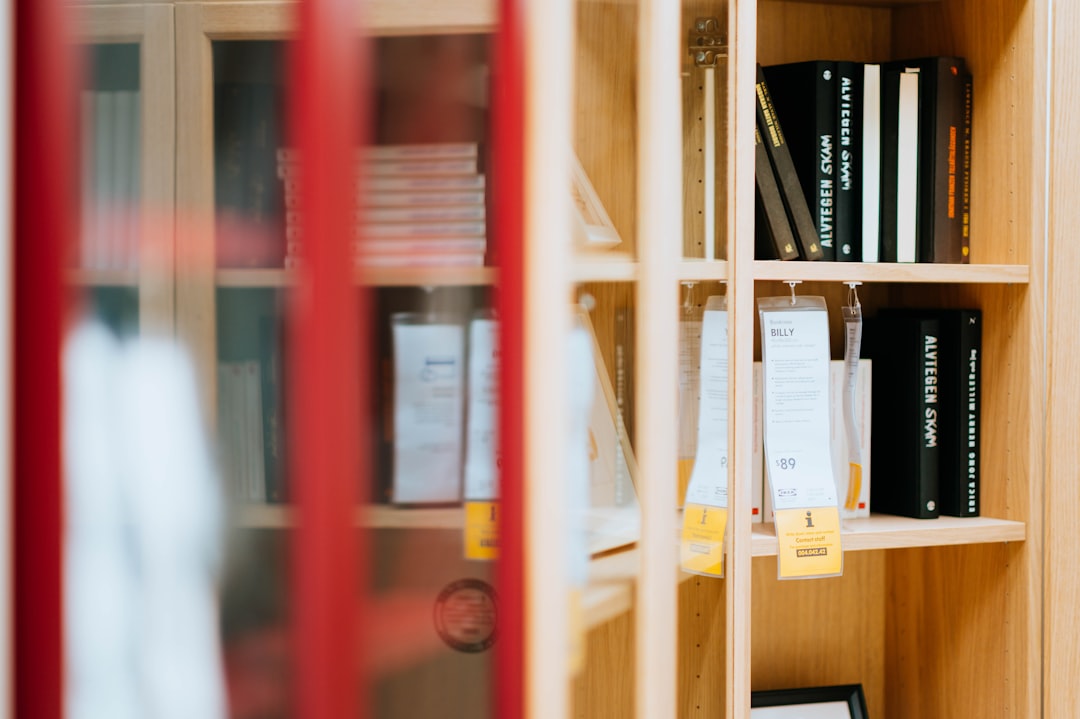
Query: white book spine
[
  {"x": 382, "y": 153},
  {"x": 871, "y": 158},
  {"x": 426, "y": 229},
  {"x": 907, "y": 172},
  {"x": 413, "y": 261},
  {"x": 423, "y": 214},
  {"x": 420, "y": 199},
  {"x": 444, "y": 245}
]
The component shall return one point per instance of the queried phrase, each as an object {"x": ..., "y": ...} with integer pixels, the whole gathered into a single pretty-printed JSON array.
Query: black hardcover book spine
[
  {"x": 775, "y": 241},
  {"x": 965, "y": 176},
  {"x": 960, "y": 478},
  {"x": 960, "y": 365},
  {"x": 273, "y": 386},
  {"x": 804, "y": 95},
  {"x": 849, "y": 114},
  {"x": 890, "y": 108},
  {"x": 941, "y": 118},
  {"x": 802, "y": 222},
  {"x": 906, "y": 438}
]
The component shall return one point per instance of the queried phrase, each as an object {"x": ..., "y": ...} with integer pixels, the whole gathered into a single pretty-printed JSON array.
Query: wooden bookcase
[{"x": 935, "y": 618}]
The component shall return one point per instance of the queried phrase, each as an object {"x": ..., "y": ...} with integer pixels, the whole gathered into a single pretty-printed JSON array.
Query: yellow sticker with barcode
[
  {"x": 808, "y": 542},
  {"x": 702, "y": 547},
  {"x": 481, "y": 530}
]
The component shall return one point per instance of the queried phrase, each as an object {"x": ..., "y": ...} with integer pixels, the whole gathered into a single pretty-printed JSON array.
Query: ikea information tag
[
  {"x": 795, "y": 361},
  {"x": 705, "y": 515}
]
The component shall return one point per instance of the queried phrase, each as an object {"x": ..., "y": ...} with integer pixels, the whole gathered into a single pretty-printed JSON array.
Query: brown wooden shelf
[{"x": 890, "y": 272}]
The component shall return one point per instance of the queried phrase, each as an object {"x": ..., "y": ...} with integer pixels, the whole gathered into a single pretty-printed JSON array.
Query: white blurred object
[{"x": 143, "y": 543}]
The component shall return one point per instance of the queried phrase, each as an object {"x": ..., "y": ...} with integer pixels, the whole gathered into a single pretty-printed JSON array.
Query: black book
[
  {"x": 802, "y": 223},
  {"x": 804, "y": 95},
  {"x": 775, "y": 241},
  {"x": 849, "y": 121},
  {"x": 271, "y": 349},
  {"x": 965, "y": 176},
  {"x": 905, "y": 444},
  {"x": 890, "y": 98},
  {"x": 959, "y": 381},
  {"x": 941, "y": 127}
]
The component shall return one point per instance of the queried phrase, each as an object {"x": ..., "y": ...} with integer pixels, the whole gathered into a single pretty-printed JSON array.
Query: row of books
[
  {"x": 419, "y": 205},
  {"x": 917, "y": 407},
  {"x": 864, "y": 162},
  {"x": 110, "y": 123}
]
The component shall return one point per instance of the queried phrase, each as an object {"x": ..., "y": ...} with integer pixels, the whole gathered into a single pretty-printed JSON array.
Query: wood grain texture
[
  {"x": 702, "y": 647},
  {"x": 196, "y": 313},
  {"x": 823, "y": 631},
  {"x": 157, "y": 248},
  {"x": 605, "y": 113},
  {"x": 1061, "y": 578},
  {"x": 605, "y": 687},
  {"x": 796, "y": 31},
  {"x": 693, "y": 97}
]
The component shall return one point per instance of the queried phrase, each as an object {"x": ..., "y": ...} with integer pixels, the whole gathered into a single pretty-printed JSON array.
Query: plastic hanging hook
[
  {"x": 688, "y": 298},
  {"x": 853, "y": 294},
  {"x": 791, "y": 284},
  {"x": 587, "y": 301}
]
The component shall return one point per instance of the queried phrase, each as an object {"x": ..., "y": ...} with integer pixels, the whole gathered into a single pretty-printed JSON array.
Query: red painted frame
[{"x": 44, "y": 209}]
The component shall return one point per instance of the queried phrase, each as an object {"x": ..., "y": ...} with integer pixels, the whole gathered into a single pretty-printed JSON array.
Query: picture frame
[{"x": 844, "y": 701}]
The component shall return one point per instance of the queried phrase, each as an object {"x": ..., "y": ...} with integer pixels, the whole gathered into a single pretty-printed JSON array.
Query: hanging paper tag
[
  {"x": 481, "y": 443},
  {"x": 705, "y": 514},
  {"x": 853, "y": 336},
  {"x": 689, "y": 393},
  {"x": 795, "y": 366}
]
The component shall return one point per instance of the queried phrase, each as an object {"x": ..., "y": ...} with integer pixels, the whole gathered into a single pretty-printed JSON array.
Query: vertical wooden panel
[
  {"x": 194, "y": 256},
  {"x": 1061, "y": 659},
  {"x": 659, "y": 178},
  {"x": 605, "y": 687},
  {"x": 823, "y": 631},
  {"x": 605, "y": 110},
  {"x": 549, "y": 38},
  {"x": 702, "y": 648},
  {"x": 158, "y": 171}
]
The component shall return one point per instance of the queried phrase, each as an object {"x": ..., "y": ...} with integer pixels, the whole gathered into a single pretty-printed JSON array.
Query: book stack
[
  {"x": 418, "y": 206},
  {"x": 110, "y": 124},
  {"x": 865, "y": 162},
  {"x": 928, "y": 366}
]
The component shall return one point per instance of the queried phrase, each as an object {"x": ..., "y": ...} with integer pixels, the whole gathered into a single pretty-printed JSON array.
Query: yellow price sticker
[
  {"x": 809, "y": 542},
  {"x": 481, "y": 530},
  {"x": 702, "y": 547}
]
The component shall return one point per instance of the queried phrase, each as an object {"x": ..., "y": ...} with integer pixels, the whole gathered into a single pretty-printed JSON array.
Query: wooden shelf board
[
  {"x": 279, "y": 516},
  {"x": 248, "y": 19},
  {"x": 604, "y": 267},
  {"x": 883, "y": 531},
  {"x": 102, "y": 278},
  {"x": 702, "y": 270},
  {"x": 381, "y": 277},
  {"x": 890, "y": 272}
]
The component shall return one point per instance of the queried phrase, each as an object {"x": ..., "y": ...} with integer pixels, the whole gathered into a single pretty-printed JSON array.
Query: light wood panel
[
  {"x": 1061, "y": 576},
  {"x": 702, "y": 647},
  {"x": 797, "y": 31},
  {"x": 605, "y": 113},
  {"x": 693, "y": 139},
  {"x": 195, "y": 302},
  {"x": 261, "y": 20},
  {"x": 890, "y": 272},
  {"x": 883, "y": 531},
  {"x": 605, "y": 687},
  {"x": 824, "y": 631}
]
